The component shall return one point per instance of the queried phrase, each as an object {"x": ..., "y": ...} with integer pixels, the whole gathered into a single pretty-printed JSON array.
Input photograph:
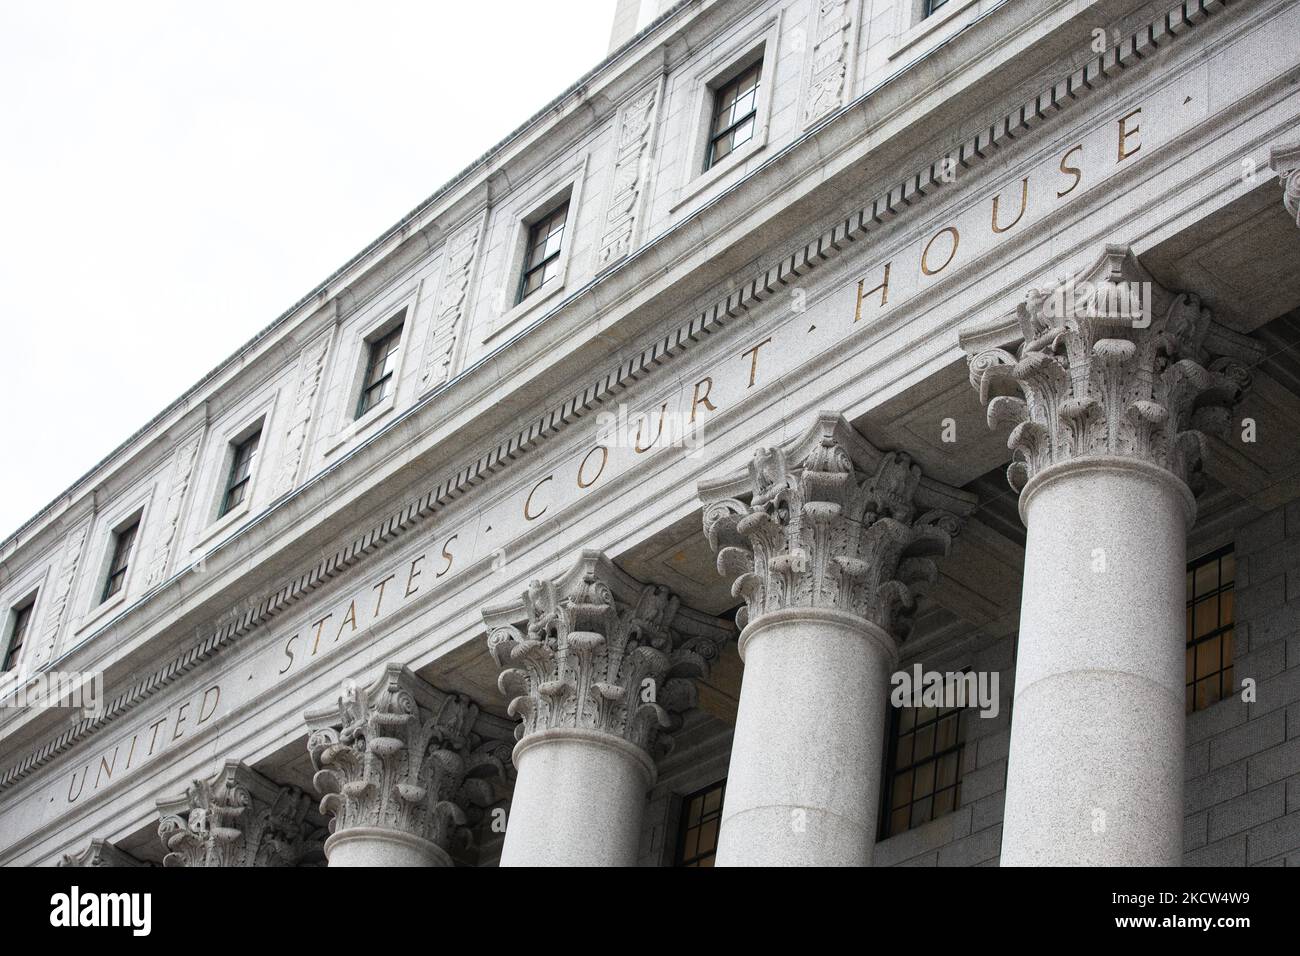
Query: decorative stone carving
[
  {"x": 237, "y": 818},
  {"x": 402, "y": 755},
  {"x": 838, "y": 531},
  {"x": 310, "y": 367},
  {"x": 100, "y": 853},
  {"x": 445, "y": 332},
  {"x": 1285, "y": 161},
  {"x": 830, "y": 58},
  {"x": 61, "y": 594},
  {"x": 634, "y": 124},
  {"x": 182, "y": 470},
  {"x": 602, "y": 652},
  {"x": 1089, "y": 380}
]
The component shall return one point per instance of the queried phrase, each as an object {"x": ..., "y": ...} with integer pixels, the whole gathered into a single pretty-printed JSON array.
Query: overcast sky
[{"x": 173, "y": 176}]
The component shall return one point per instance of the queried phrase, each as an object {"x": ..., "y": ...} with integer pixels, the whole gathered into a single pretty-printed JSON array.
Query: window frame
[
  {"x": 684, "y": 826},
  {"x": 24, "y": 612},
  {"x": 756, "y": 69},
  {"x": 393, "y": 336},
  {"x": 244, "y": 483},
  {"x": 127, "y": 554},
  {"x": 1225, "y": 634},
  {"x": 892, "y": 771},
  {"x": 522, "y": 293}
]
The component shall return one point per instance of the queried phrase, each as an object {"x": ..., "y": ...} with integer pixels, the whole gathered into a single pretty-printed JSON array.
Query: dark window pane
[
  {"x": 117, "y": 566},
  {"x": 381, "y": 364},
  {"x": 734, "y": 115},
  {"x": 542, "y": 256},
  {"x": 701, "y": 818},
  {"x": 17, "y": 635},
  {"x": 1210, "y": 619}
]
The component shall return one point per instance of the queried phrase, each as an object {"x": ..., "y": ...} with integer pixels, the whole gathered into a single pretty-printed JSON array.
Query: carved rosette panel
[
  {"x": 598, "y": 655},
  {"x": 404, "y": 756},
  {"x": 1082, "y": 385},
  {"x": 449, "y": 313},
  {"x": 100, "y": 853},
  {"x": 311, "y": 365},
  {"x": 826, "y": 535},
  {"x": 635, "y": 122},
  {"x": 830, "y": 58},
  {"x": 237, "y": 818},
  {"x": 1285, "y": 161},
  {"x": 182, "y": 471},
  {"x": 62, "y": 594}
]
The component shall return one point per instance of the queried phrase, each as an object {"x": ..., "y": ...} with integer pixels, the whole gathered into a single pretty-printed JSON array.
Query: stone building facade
[{"x": 595, "y": 512}]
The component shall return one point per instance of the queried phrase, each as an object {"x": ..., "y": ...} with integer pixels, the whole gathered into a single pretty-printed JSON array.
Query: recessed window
[
  {"x": 735, "y": 115},
  {"x": 381, "y": 367},
  {"x": 22, "y": 617},
  {"x": 542, "y": 255},
  {"x": 933, "y": 6},
  {"x": 1210, "y": 616},
  {"x": 697, "y": 834},
  {"x": 241, "y": 472},
  {"x": 123, "y": 541},
  {"x": 924, "y": 779}
]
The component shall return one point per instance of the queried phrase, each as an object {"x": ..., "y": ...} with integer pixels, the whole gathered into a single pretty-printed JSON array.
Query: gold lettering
[
  {"x": 1125, "y": 133},
  {"x": 289, "y": 654},
  {"x": 204, "y": 710},
  {"x": 528, "y": 502},
  {"x": 604, "y": 457},
  {"x": 697, "y": 399},
  {"x": 84, "y": 771},
  {"x": 883, "y": 289},
  {"x": 410, "y": 578},
  {"x": 1074, "y": 171},
  {"x": 1024, "y": 199},
  {"x": 154, "y": 739},
  {"x": 637, "y": 444},
  {"x": 446, "y": 556},
  {"x": 753, "y": 362},
  {"x": 105, "y": 765},
  {"x": 925, "y": 256},
  {"x": 379, "y": 600},
  {"x": 131, "y": 752},
  {"x": 315, "y": 645},
  {"x": 180, "y": 720},
  {"x": 351, "y": 616}
]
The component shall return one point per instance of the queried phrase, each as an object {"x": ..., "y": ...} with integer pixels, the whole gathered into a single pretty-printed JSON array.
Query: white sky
[{"x": 173, "y": 176}]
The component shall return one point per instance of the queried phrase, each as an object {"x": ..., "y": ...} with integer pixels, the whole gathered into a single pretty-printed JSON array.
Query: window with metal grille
[
  {"x": 381, "y": 366},
  {"x": 117, "y": 567},
  {"x": 924, "y": 771},
  {"x": 17, "y": 634},
  {"x": 241, "y": 472},
  {"x": 735, "y": 114},
  {"x": 542, "y": 257},
  {"x": 697, "y": 833},
  {"x": 1210, "y": 615}
]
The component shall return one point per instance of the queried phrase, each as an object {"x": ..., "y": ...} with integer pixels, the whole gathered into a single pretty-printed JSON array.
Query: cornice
[{"x": 913, "y": 192}]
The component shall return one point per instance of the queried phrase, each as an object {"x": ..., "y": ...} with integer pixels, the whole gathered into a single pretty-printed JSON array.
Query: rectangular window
[
  {"x": 241, "y": 472},
  {"x": 924, "y": 779},
  {"x": 735, "y": 114},
  {"x": 122, "y": 542},
  {"x": 933, "y": 6},
  {"x": 542, "y": 255},
  {"x": 381, "y": 365},
  {"x": 22, "y": 616},
  {"x": 1210, "y": 616},
  {"x": 697, "y": 833}
]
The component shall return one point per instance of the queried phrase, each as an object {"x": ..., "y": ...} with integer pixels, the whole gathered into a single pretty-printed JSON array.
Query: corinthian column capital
[
  {"x": 1285, "y": 161},
  {"x": 832, "y": 523},
  {"x": 100, "y": 853},
  {"x": 236, "y": 818},
  {"x": 601, "y": 652},
  {"x": 1112, "y": 365},
  {"x": 403, "y": 756}
]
